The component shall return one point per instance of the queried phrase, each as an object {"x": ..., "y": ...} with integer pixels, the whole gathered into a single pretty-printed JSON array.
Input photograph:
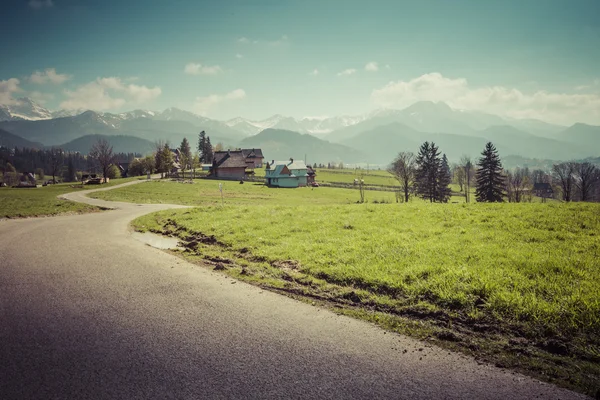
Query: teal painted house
[{"x": 288, "y": 174}]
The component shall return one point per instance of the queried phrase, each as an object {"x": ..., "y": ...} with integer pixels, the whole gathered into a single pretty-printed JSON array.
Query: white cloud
[
  {"x": 203, "y": 105},
  {"x": 40, "y": 97},
  {"x": 387, "y": 66},
  {"x": 372, "y": 67},
  {"x": 39, "y": 4},
  {"x": 347, "y": 72},
  {"x": 48, "y": 76},
  {"x": 243, "y": 40},
  {"x": 593, "y": 85},
  {"x": 314, "y": 72},
  {"x": 199, "y": 69},
  {"x": 562, "y": 108},
  {"x": 108, "y": 93},
  {"x": 7, "y": 88},
  {"x": 239, "y": 56}
]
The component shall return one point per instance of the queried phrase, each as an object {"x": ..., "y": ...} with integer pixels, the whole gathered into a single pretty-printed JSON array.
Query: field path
[{"x": 88, "y": 312}]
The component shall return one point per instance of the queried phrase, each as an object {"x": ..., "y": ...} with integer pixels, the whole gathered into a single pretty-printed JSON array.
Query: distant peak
[{"x": 427, "y": 105}]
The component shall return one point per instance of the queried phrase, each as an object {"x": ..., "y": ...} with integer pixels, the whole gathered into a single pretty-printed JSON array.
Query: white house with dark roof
[{"x": 288, "y": 174}]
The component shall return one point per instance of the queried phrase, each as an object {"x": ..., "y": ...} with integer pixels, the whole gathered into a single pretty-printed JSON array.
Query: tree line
[
  {"x": 165, "y": 159},
  {"x": 55, "y": 162},
  {"x": 427, "y": 175}
]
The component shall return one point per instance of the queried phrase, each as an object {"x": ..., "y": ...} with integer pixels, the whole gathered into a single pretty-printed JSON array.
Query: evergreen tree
[
  {"x": 490, "y": 182},
  {"x": 428, "y": 171},
  {"x": 185, "y": 156},
  {"x": 208, "y": 151},
  {"x": 202, "y": 146},
  {"x": 166, "y": 159},
  {"x": 444, "y": 180}
]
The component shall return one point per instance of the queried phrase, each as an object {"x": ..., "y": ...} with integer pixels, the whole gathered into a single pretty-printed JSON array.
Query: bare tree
[
  {"x": 102, "y": 152},
  {"x": 403, "y": 168},
  {"x": 564, "y": 175},
  {"x": 517, "y": 182},
  {"x": 585, "y": 176},
  {"x": 57, "y": 160},
  {"x": 459, "y": 175}
]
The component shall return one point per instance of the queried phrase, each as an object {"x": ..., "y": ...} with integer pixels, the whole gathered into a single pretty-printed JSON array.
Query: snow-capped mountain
[
  {"x": 312, "y": 125},
  {"x": 24, "y": 109},
  {"x": 67, "y": 113}
]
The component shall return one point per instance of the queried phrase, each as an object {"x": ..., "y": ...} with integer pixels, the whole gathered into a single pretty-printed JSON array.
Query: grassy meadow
[
  {"x": 514, "y": 284},
  {"x": 517, "y": 285},
  {"x": 41, "y": 201}
]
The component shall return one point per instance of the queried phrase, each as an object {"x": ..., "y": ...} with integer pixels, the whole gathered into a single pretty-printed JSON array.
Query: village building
[
  {"x": 230, "y": 164},
  {"x": 288, "y": 174},
  {"x": 254, "y": 158},
  {"x": 542, "y": 189}
]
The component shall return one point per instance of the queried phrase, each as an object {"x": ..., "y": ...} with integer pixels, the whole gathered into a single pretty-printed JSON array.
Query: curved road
[{"x": 88, "y": 312}]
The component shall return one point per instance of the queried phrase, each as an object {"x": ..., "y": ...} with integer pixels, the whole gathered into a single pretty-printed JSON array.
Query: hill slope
[
  {"x": 10, "y": 140},
  {"x": 278, "y": 144},
  {"x": 121, "y": 144}
]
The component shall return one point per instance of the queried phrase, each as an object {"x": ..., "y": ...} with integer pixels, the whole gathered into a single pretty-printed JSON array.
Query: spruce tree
[
  {"x": 490, "y": 182},
  {"x": 202, "y": 146},
  {"x": 208, "y": 151},
  {"x": 444, "y": 180},
  {"x": 427, "y": 173}
]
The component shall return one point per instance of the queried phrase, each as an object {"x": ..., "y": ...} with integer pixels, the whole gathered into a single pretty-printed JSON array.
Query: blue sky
[{"x": 524, "y": 59}]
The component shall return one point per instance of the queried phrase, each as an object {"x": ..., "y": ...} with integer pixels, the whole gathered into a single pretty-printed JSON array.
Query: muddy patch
[{"x": 157, "y": 241}]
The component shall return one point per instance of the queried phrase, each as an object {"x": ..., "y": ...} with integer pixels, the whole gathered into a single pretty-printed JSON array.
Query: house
[
  {"x": 289, "y": 174},
  {"x": 27, "y": 180},
  {"x": 542, "y": 189},
  {"x": 254, "y": 158},
  {"x": 124, "y": 169},
  {"x": 230, "y": 164}
]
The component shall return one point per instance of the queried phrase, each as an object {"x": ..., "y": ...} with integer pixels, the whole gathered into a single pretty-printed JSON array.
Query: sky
[{"x": 305, "y": 58}]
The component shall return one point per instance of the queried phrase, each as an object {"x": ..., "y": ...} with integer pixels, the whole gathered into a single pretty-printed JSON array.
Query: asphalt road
[{"x": 88, "y": 312}]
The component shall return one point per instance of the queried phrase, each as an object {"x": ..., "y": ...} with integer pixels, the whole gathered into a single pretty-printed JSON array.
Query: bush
[{"x": 114, "y": 172}]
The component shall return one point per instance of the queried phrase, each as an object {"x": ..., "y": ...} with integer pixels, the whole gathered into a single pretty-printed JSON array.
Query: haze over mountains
[{"x": 373, "y": 138}]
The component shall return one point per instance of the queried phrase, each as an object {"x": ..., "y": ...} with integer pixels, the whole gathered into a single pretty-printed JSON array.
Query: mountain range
[{"x": 373, "y": 138}]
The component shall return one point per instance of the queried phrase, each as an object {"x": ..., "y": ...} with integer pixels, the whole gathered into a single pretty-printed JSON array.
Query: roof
[
  {"x": 291, "y": 164},
  {"x": 255, "y": 153},
  {"x": 229, "y": 159}
]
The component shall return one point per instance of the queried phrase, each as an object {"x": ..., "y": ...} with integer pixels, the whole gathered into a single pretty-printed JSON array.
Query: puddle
[{"x": 157, "y": 241}]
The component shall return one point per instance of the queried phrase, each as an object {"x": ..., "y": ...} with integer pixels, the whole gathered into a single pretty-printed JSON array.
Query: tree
[
  {"x": 158, "y": 158},
  {"x": 136, "y": 168},
  {"x": 444, "y": 180},
  {"x": 564, "y": 173},
  {"x": 40, "y": 173},
  {"x": 57, "y": 159},
  {"x": 585, "y": 176},
  {"x": 539, "y": 176},
  {"x": 71, "y": 171},
  {"x": 490, "y": 182},
  {"x": 427, "y": 172},
  {"x": 113, "y": 172},
  {"x": 459, "y": 174},
  {"x": 208, "y": 151},
  {"x": 219, "y": 146},
  {"x": 102, "y": 152},
  {"x": 467, "y": 165},
  {"x": 166, "y": 159},
  {"x": 403, "y": 168},
  {"x": 185, "y": 156},
  {"x": 149, "y": 163},
  {"x": 517, "y": 182}
]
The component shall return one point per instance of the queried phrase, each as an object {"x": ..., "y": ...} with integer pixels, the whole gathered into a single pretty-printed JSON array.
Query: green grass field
[
  {"x": 515, "y": 284},
  {"x": 20, "y": 203}
]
